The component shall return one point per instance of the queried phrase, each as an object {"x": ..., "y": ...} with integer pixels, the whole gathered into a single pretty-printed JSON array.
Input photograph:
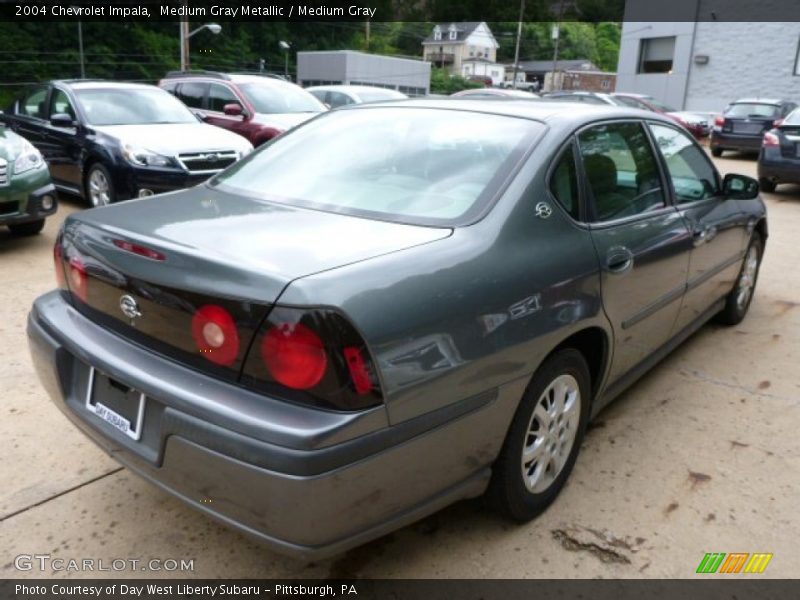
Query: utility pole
[
  {"x": 184, "y": 25},
  {"x": 557, "y": 36},
  {"x": 516, "y": 50},
  {"x": 80, "y": 49},
  {"x": 366, "y": 33}
]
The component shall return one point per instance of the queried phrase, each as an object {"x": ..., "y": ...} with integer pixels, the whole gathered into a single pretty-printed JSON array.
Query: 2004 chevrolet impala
[{"x": 391, "y": 308}]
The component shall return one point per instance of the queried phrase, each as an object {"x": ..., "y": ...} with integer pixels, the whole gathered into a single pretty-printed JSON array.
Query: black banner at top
[{"x": 400, "y": 10}]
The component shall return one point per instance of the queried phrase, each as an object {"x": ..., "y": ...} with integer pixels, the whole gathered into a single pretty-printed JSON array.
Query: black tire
[
  {"x": 508, "y": 492},
  {"x": 736, "y": 309},
  {"x": 766, "y": 185},
  {"x": 716, "y": 152},
  {"x": 30, "y": 228},
  {"x": 101, "y": 172}
]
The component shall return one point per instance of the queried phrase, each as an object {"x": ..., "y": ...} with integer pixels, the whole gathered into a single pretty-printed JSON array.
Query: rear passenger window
[
  {"x": 34, "y": 104},
  {"x": 192, "y": 93},
  {"x": 693, "y": 177},
  {"x": 564, "y": 182},
  {"x": 621, "y": 171}
]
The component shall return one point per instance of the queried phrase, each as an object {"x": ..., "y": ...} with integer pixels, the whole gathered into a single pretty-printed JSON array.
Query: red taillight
[
  {"x": 78, "y": 279},
  {"x": 770, "y": 139},
  {"x": 719, "y": 121},
  {"x": 294, "y": 355},
  {"x": 216, "y": 335},
  {"x": 140, "y": 250},
  {"x": 358, "y": 370},
  {"x": 58, "y": 260}
]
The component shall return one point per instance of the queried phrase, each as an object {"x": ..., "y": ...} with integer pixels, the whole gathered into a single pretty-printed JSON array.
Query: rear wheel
[
  {"x": 740, "y": 297},
  {"x": 30, "y": 228},
  {"x": 544, "y": 438},
  {"x": 716, "y": 152},
  {"x": 99, "y": 188},
  {"x": 766, "y": 185}
]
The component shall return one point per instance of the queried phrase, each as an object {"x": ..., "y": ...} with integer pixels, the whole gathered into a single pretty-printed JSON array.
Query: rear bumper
[
  {"x": 308, "y": 494},
  {"x": 732, "y": 141},
  {"x": 27, "y": 206},
  {"x": 780, "y": 169}
]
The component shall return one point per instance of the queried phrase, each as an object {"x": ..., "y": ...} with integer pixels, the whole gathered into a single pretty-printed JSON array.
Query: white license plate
[{"x": 116, "y": 420}]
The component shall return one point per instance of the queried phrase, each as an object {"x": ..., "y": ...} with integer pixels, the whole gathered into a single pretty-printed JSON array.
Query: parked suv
[
  {"x": 26, "y": 194},
  {"x": 109, "y": 141},
  {"x": 256, "y": 107},
  {"x": 779, "y": 159},
  {"x": 743, "y": 124}
]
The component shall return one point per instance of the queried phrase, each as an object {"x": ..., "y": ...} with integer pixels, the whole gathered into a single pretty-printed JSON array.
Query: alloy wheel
[
  {"x": 747, "y": 280},
  {"x": 551, "y": 433},
  {"x": 98, "y": 188}
]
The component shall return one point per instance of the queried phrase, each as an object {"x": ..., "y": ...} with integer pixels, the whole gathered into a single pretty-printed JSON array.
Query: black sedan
[
  {"x": 743, "y": 124},
  {"x": 779, "y": 159},
  {"x": 109, "y": 141}
]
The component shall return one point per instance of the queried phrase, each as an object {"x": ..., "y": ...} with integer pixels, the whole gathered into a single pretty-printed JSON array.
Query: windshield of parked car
[
  {"x": 269, "y": 99},
  {"x": 132, "y": 106},
  {"x": 793, "y": 118},
  {"x": 412, "y": 165},
  {"x": 751, "y": 109}
]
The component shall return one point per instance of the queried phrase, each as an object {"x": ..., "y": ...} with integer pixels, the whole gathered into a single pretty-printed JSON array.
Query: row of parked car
[{"x": 110, "y": 141}]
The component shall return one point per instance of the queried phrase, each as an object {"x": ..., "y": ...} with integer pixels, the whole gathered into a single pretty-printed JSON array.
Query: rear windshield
[
  {"x": 410, "y": 165},
  {"x": 753, "y": 110}
]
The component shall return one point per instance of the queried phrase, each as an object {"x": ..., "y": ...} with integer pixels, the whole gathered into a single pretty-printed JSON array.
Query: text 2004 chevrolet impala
[{"x": 391, "y": 308}]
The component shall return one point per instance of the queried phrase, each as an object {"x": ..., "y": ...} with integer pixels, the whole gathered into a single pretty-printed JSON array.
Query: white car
[{"x": 342, "y": 95}]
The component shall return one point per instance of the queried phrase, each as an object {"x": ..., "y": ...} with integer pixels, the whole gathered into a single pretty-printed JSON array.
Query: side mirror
[
  {"x": 62, "y": 120},
  {"x": 232, "y": 110},
  {"x": 200, "y": 116},
  {"x": 739, "y": 187}
]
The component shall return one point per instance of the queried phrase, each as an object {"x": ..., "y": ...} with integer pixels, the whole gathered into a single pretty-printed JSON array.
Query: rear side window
[
  {"x": 564, "y": 182},
  {"x": 753, "y": 110},
  {"x": 219, "y": 96},
  {"x": 621, "y": 171},
  {"x": 34, "y": 104},
  {"x": 192, "y": 93},
  {"x": 692, "y": 175}
]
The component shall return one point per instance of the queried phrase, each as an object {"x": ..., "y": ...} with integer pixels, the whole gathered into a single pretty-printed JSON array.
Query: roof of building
[{"x": 463, "y": 30}]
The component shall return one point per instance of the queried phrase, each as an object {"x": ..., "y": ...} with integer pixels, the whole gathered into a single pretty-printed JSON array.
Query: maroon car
[
  {"x": 256, "y": 107},
  {"x": 698, "y": 125}
]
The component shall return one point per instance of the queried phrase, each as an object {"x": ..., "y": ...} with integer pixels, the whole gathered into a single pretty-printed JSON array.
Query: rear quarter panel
[{"x": 451, "y": 319}]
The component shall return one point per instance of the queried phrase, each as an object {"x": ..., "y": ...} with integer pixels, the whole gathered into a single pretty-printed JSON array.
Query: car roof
[
  {"x": 759, "y": 101},
  {"x": 83, "y": 84},
  {"x": 554, "y": 113},
  {"x": 353, "y": 88}
]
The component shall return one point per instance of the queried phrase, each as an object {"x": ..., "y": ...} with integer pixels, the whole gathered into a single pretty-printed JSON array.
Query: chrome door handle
[{"x": 619, "y": 259}]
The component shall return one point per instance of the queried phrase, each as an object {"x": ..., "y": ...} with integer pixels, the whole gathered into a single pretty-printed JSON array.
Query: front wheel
[
  {"x": 738, "y": 300},
  {"x": 717, "y": 152},
  {"x": 544, "y": 438},
  {"x": 99, "y": 188},
  {"x": 30, "y": 228}
]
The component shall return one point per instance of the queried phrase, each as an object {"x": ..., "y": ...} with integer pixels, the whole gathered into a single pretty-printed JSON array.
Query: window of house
[
  {"x": 453, "y": 33},
  {"x": 656, "y": 55},
  {"x": 621, "y": 170},
  {"x": 605, "y": 84},
  {"x": 437, "y": 33}
]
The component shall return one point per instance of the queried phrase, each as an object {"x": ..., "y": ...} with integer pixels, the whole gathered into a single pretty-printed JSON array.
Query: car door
[
  {"x": 30, "y": 117},
  {"x": 717, "y": 225},
  {"x": 63, "y": 144},
  {"x": 641, "y": 240}
]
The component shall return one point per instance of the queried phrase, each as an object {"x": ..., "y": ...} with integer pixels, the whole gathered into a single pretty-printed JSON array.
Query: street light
[
  {"x": 285, "y": 46},
  {"x": 214, "y": 28}
]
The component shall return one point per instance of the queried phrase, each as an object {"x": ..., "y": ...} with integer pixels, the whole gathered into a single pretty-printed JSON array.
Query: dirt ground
[{"x": 699, "y": 456}]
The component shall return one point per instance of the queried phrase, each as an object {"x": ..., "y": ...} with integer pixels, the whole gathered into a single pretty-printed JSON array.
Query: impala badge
[
  {"x": 543, "y": 210},
  {"x": 129, "y": 307}
]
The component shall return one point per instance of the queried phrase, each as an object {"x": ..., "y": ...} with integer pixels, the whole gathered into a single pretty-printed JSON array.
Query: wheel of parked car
[
  {"x": 738, "y": 301},
  {"x": 544, "y": 439},
  {"x": 99, "y": 188},
  {"x": 30, "y": 228},
  {"x": 716, "y": 152},
  {"x": 766, "y": 185}
]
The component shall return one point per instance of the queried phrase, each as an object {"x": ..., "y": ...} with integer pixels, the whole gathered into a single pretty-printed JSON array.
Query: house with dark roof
[{"x": 449, "y": 45}]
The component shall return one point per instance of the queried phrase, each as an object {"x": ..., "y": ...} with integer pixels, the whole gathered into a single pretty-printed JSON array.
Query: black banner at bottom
[{"x": 400, "y": 589}]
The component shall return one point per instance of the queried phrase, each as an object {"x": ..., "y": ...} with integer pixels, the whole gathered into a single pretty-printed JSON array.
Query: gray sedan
[{"x": 392, "y": 308}]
